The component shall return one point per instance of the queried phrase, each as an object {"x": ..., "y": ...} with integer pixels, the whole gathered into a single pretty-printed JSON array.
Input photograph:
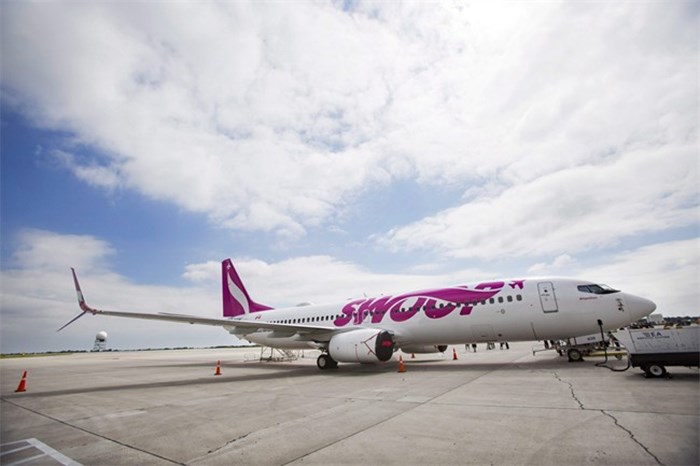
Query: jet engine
[
  {"x": 422, "y": 349},
  {"x": 362, "y": 345}
]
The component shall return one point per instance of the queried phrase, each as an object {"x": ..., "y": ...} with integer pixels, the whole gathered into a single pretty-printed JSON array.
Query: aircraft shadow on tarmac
[
  {"x": 284, "y": 370},
  {"x": 277, "y": 371}
]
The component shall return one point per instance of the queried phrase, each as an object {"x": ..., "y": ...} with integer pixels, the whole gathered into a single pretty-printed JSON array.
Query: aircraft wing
[
  {"x": 243, "y": 326},
  {"x": 191, "y": 319}
]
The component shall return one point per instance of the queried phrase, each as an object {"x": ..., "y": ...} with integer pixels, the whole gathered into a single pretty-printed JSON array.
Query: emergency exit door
[{"x": 547, "y": 297}]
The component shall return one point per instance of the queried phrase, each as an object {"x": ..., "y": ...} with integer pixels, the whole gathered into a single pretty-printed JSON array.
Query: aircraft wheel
[
  {"x": 574, "y": 355},
  {"x": 654, "y": 370},
  {"x": 325, "y": 361}
]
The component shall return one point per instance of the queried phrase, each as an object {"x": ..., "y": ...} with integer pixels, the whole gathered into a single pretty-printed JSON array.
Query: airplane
[{"x": 370, "y": 330}]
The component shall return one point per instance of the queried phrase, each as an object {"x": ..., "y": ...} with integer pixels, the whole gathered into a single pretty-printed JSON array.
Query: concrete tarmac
[{"x": 489, "y": 407}]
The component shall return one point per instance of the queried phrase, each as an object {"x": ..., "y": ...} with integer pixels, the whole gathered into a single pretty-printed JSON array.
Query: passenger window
[
  {"x": 500, "y": 299},
  {"x": 491, "y": 300},
  {"x": 509, "y": 299},
  {"x": 518, "y": 297}
]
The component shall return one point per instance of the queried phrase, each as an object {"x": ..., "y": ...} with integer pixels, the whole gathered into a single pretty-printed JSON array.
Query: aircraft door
[{"x": 547, "y": 297}]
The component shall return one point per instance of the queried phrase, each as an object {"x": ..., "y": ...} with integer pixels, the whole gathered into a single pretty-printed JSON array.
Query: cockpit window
[{"x": 597, "y": 289}]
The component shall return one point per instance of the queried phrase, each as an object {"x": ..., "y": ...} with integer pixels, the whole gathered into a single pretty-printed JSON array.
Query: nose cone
[{"x": 640, "y": 307}]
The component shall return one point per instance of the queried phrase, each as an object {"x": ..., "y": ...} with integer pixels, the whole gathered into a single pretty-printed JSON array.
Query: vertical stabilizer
[{"x": 236, "y": 299}]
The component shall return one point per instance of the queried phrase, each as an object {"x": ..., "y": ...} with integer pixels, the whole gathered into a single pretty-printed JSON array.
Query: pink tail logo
[{"x": 236, "y": 299}]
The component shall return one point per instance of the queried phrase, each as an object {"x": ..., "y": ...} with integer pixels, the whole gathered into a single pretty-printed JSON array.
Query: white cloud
[
  {"x": 91, "y": 173},
  {"x": 202, "y": 273},
  {"x": 38, "y": 297},
  {"x": 667, "y": 273},
  {"x": 567, "y": 211},
  {"x": 321, "y": 279},
  {"x": 562, "y": 262},
  {"x": 272, "y": 117},
  {"x": 42, "y": 250}
]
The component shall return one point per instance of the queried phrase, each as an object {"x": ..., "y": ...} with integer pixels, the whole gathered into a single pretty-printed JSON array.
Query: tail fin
[{"x": 237, "y": 301}]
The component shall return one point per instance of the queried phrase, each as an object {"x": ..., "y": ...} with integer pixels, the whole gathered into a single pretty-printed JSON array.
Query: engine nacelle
[
  {"x": 362, "y": 345},
  {"x": 423, "y": 349}
]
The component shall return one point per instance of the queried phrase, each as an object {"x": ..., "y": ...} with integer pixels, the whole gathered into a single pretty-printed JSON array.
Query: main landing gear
[{"x": 325, "y": 361}]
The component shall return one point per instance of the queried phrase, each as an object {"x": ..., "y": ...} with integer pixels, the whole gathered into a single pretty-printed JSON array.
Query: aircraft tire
[
  {"x": 325, "y": 361},
  {"x": 574, "y": 355}
]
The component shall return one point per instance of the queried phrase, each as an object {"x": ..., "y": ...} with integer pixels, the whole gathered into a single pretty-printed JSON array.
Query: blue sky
[{"x": 334, "y": 149}]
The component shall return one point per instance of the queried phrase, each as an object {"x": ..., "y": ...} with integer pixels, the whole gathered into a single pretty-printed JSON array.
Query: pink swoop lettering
[{"x": 436, "y": 304}]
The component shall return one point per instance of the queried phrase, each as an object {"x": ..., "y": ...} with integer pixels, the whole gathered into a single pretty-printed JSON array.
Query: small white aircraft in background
[{"x": 369, "y": 330}]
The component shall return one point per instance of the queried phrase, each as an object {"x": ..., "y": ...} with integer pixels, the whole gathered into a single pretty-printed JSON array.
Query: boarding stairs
[{"x": 276, "y": 354}]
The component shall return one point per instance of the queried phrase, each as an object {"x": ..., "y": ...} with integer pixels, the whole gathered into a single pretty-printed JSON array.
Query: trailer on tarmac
[
  {"x": 575, "y": 348},
  {"x": 652, "y": 349}
]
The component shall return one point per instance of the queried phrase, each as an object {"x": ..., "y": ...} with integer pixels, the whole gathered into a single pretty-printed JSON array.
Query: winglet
[{"x": 81, "y": 302}]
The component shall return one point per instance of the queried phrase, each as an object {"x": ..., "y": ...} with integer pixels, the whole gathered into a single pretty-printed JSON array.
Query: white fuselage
[{"x": 509, "y": 310}]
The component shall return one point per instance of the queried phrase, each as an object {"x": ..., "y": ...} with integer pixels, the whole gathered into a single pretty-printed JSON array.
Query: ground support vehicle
[
  {"x": 654, "y": 349},
  {"x": 577, "y": 347}
]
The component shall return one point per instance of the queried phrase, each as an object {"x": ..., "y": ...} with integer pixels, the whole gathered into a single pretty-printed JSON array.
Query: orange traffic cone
[
  {"x": 22, "y": 387},
  {"x": 402, "y": 368},
  {"x": 218, "y": 368},
  {"x": 454, "y": 354}
]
